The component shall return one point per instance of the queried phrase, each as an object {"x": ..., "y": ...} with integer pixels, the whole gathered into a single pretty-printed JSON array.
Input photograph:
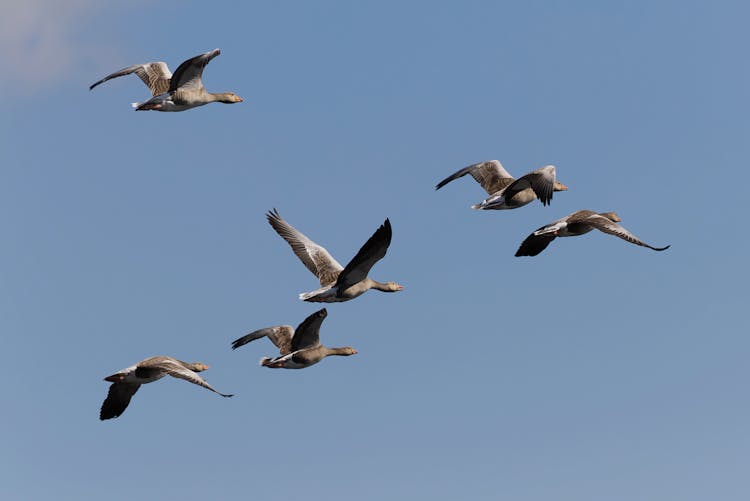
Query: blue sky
[{"x": 597, "y": 370}]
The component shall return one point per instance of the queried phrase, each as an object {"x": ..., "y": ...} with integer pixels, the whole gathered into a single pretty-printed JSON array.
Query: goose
[
  {"x": 578, "y": 223},
  {"x": 299, "y": 348},
  {"x": 178, "y": 92},
  {"x": 127, "y": 381},
  {"x": 504, "y": 191},
  {"x": 338, "y": 283}
]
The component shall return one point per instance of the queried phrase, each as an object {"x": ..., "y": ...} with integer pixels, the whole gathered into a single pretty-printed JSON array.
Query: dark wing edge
[
  {"x": 116, "y": 74},
  {"x": 307, "y": 334},
  {"x": 191, "y": 69},
  {"x": 542, "y": 185},
  {"x": 454, "y": 176},
  {"x": 606, "y": 226},
  {"x": 370, "y": 253},
  {"x": 118, "y": 398},
  {"x": 534, "y": 244},
  {"x": 280, "y": 335}
]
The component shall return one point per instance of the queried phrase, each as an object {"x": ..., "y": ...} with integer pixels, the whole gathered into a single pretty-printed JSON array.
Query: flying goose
[
  {"x": 127, "y": 381},
  {"x": 504, "y": 191},
  {"x": 575, "y": 224},
  {"x": 338, "y": 283},
  {"x": 178, "y": 92},
  {"x": 299, "y": 348}
]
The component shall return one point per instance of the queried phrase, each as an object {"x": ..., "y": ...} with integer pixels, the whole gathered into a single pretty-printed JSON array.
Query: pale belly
[
  {"x": 328, "y": 295},
  {"x": 171, "y": 106}
]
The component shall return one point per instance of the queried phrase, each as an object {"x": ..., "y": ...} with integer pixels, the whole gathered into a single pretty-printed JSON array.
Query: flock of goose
[{"x": 301, "y": 347}]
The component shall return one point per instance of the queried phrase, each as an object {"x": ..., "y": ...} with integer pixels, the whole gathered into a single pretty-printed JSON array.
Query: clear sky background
[{"x": 597, "y": 370}]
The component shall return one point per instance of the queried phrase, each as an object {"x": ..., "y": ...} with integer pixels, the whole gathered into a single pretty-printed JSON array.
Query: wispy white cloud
[{"x": 38, "y": 42}]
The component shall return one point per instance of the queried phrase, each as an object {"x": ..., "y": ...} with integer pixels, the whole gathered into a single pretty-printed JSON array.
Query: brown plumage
[
  {"x": 338, "y": 283},
  {"x": 299, "y": 348},
  {"x": 504, "y": 191},
  {"x": 125, "y": 383},
  {"x": 178, "y": 92},
  {"x": 578, "y": 223}
]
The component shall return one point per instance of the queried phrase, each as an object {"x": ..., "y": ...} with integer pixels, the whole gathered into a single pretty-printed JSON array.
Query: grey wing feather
[
  {"x": 176, "y": 370},
  {"x": 155, "y": 75},
  {"x": 542, "y": 181},
  {"x": 280, "y": 335},
  {"x": 371, "y": 252},
  {"x": 490, "y": 175},
  {"x": 188, "y": 74},
  {"x": 307, "y": 334},
  {"x": 601, "y": 223},
  {"x": 118, "y": 398},
  {"x": 315, "y": 257}
]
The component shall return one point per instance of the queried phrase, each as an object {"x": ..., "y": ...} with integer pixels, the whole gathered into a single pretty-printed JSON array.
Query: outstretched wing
[
  {"x": 280, "y": 335},
  {"x": 603, "y": 224},
  {"x": 307, "y": 334},
  {"x": 542, "y": 181},
  {"x": 156, "y": 76},
  {"x": 174, "y": 369},
  {"x": 535, "y": 243},
  {"x": 313, "y": 256},
  {"x": 373, "y": 251},
  {"x": 188, "y": 74},
  {"x": 490, "y": 175},
  {"x": 118, "y": 398}
]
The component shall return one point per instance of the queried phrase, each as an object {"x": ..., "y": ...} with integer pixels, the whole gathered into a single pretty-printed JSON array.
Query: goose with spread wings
[
  {"x": 298, "y": 348},
  {"x": 338, "y": 283},
  {"x": 504, "y": 191},
  {"x": 178, "y": 92},
  {"x": 127, "y": 381},
  {"x": 578, "y": 223}
]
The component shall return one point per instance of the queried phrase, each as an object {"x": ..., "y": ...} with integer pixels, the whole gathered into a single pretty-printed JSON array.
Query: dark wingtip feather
[
  {"x": 386, "y": 227},
  {"x": 273, "y": 216},
  {"x": 240, "y": 342},
  {"x": 446, "y": 181}
]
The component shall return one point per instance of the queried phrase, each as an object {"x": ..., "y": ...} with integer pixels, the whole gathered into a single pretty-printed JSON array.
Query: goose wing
[
  {"x": 315, "y": 257},
  {"x": 174, "y": 369},
  {"x": 542, "y": 181},
  {"x": 118, "y": 398},
  {"x": 280, "y": 335},
  {"x": 156, "y": 76},
  {"x": 601, "y": 223},
  {"x": 307, "y": 334},
  {"x": 536, "y": 242},
  {"x": 188, "y": 74},
  {"x": 371, "y": 252},
  {"x": 490, "y": 175}
]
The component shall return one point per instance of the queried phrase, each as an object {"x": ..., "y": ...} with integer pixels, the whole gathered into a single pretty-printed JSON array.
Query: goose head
[
  {"x": 228, "y": 98},
  {"x": 344, "y": 352}
]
